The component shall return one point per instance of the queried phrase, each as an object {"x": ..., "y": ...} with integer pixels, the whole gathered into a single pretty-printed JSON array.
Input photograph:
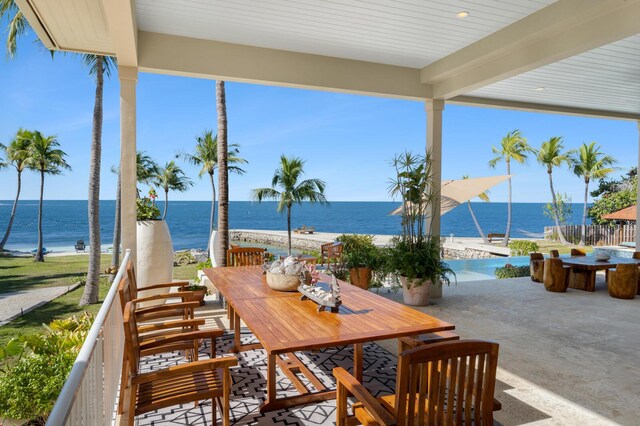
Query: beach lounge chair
[
  {"x": 495, "y": 237},
  {"x": 305, "y": 230},
  {"x": 80, "y": 246}
]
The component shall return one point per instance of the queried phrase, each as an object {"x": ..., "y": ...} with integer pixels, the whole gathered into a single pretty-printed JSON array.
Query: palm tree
[
  {"x": 222, "y": 243},
  {"x": 146, "y": 168},
  {"x": 17, "y": 154},
  {"x": 287, "y": 177},
  {"x": 589, "y": 163},
  {"x": 171, "y": 177},
  {"x": 206, "y": 156},
  {"x": 484, "y": 197},
  {"x": 512, "y": 147},
  {"x": 551, "y": 155},
  {"x": 47, "y": 159},
  {"x": 17, "y": 25},
  {"x": 117, "y": 231}
]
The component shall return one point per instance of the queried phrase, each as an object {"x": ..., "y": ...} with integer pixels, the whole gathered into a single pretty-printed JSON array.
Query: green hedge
[
  {"x": 509, "y": 271},
  {"x": 523, "y": 247}
]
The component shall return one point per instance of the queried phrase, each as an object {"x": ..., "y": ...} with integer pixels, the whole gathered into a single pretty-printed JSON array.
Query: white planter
[
  {"x": 415, "y": 292},
  {"x": 213, "y": 241},
  {"x": 155, "y": 255}
]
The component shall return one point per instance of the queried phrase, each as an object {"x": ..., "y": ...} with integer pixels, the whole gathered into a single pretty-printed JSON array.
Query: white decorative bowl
[
  {"x": 602, "y": 256},
  {"x": 282, "y": 282}
]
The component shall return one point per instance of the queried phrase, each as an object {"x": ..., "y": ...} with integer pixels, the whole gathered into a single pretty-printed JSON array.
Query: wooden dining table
[
  {"x": 284, "y": 324},
  {"x": 584, "y": 269}
]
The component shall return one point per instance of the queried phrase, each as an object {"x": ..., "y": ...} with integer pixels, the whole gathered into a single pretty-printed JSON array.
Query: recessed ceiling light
[
  {"x": 539, "y": 89},
  {"x": 462, "y": 14}
]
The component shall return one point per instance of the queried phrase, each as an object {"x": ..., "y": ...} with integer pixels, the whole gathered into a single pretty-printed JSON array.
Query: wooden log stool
[
  {"x": 556, "y": 276},
  {"x": 536, "y": 267},
  {"x": 622, "y": 282}
]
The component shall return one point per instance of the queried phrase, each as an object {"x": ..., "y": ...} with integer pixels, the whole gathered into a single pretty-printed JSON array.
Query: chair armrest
[
  {"x": 191, "y": 367},
  {"x": 377, "y": 411},
  {"x": 190, "y": 335},
  {"x": 177, "y": 294},
  {"x": 165, "y": 285},
  {"x": 167, "y": 307},
  {"x": 170, "y": 324}
]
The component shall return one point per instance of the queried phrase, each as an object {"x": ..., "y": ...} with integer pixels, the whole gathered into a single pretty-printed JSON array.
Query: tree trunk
[
  {"x": 39, "y": 257},
  {"x": 115, "y": 255},
  {"x": 213, "y": 204},
  {"x": 91, "y": 288},
  {"x": 166, "y": 204},
  {"x": 556, "y": 215},
  {"x": 223, "y": 177},
  {"x": 289, "y": 228},
  {"x": 13, "y": 213},
  {"x": 583, "y": 234},
  {"x": 505, "y": 241},
  {"x": 475, "y": 220}
]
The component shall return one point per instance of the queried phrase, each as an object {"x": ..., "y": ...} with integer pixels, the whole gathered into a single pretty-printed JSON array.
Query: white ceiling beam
[
  {"x": 120, "y": 18},
  {"x": 542, "y": 108},
  {"x": 561, "y": 30},
  {"x": 169, "y": 54}
]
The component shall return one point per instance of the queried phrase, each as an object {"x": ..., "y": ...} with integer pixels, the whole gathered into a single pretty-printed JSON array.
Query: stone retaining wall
[
  {"x": 276, "y": 240},
  {"x": 466, "y": 253}
]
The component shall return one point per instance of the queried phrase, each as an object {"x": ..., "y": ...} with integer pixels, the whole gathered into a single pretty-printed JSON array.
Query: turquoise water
[
  {"x": 65, "y": 222},
  {"x": 483, "y": 269}
]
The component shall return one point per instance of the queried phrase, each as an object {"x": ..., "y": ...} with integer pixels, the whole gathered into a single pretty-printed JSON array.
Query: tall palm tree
[
  {"x": 117, "y": 229},
  {"x": 287, "y": 178},
  {"x": 17, "y": 154},
  {"x": 589, "y": 163},
  {"x": 206, "y": 156},
  {"x": 484, "y": 197},
  {"x": 171, "y": 177},
  {"x": 99, "y": 67},
  {"x": 146, "y": 168},
  {"x": 551, "y": 155},
  {"x": 512, "y": 147},
  {"x": 47, "y": 159},
  {"x": 222, "y": 243}
]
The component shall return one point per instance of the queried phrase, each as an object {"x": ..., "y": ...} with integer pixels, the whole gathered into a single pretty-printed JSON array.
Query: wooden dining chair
[
  {"x": 246, "y": 256},
  {"x": 178, "y": 384},
  {"x": 330, "y": 252},
  {"x": 578, "y": 252},
  {"x": 622, "y": 282},
  {"x": 556, "y": 275},
  {"x": 131, "y": 274},
  {"x": 554, "y": 254},
  {"x": 536, "y": 267},
  {"x": 443, "y": 383}
]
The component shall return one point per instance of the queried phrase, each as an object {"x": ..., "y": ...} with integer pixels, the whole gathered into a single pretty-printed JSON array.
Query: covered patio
[{"x": 577, "y": 57}]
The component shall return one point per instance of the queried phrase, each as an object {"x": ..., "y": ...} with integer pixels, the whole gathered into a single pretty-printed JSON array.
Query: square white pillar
[
  {"x": 128, "y": 193},
  {"x": 434, "y": 108}
]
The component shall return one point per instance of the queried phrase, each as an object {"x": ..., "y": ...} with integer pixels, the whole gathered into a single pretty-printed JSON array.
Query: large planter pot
[
  {"x": 155, "y": 255},
  {"x": 415, "y": 292},
  {"x": 360, "y": 277},
  {"x": 197, "y": 296}
]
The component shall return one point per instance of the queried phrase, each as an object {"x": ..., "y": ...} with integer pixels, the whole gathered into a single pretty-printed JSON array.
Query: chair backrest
[
  {"x": 536, "y": 256},
  {"x": 628, "y": 272},
  {"x": 554, "y": 254},
  {"x": 124, "y": 292},
  {"x": 133, "y": 284},
  {"x": 331, "y": 250},
  {"x": 245, "y": 256},
  {"x": 132, "y": 342},
  {"x": 636, "y": 255},
  {"x": 447, "y": 383},
  {"x": 578, "y": 252},
  {"x": 80, "y": 243}
]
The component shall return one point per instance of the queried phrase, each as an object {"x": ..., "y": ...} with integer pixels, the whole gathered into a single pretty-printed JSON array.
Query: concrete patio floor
[{"x": 565, "y": 358}]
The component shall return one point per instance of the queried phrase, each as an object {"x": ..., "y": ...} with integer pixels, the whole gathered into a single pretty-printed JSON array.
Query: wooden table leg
[
  {"x": 591, "y": 281},
  {"x": 237, "y": 343},
  {"x": 357, "y": 361},
  {"x": 271, "y": 378},
  {"x": 231, "y": 316}
]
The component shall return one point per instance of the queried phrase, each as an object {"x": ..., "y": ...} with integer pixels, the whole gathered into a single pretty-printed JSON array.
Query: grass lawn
[{"x": 547, "y": 245}]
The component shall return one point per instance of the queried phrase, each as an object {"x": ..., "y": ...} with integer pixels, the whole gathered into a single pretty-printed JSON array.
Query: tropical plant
[
  {"x": 512, "y": 147},
  {"x": 562, "y": 208},
  {"x": 359, "y": 251},
  {"x": 146, "y": 168},
  {"x": 523, "y": 247},
  {"x": 47, "y": 159},
  {"x": 589, "y": 163},
  {"x": 293, "y": 191},
  {"x": 510, "y": 271},
  {"x": 206, "y": 156},
  {"x": 171, "y": 177},
  {"x": 613, "y": 195},
  {"x": 484, "y": 196},
  {"x": 551, "y": 154},
  {"x": 17, "y": 153},
  {"x": 146, "y": 208},
  {"x": 415, "y": 254}
]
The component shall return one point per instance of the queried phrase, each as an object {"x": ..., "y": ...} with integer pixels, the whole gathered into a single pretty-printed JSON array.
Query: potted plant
[
  {"x": 414, "y": 256},
  {"x": 155, "y": 248},
  {"x": 361, "y": 257},
  {"x": 198, "y": 293}
]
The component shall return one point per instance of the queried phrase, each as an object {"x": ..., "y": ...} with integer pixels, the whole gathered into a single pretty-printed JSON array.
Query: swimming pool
[{"x": 483, "y": 269}]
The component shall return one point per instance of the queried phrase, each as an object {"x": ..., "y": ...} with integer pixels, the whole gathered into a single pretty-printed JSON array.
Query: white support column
[
  {"x": 638, "y": 197},
  {"x": 434, "y": 108},
  {"x": 128, "y": 79}
]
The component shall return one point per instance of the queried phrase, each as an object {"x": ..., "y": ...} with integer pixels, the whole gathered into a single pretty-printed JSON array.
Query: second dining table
[
  {"x": 284, "y": 324},
  {"x": 586, "y": 267}
]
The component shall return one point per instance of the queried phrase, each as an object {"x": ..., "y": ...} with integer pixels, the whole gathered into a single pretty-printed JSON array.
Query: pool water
[{"x": 482, "y": 269}]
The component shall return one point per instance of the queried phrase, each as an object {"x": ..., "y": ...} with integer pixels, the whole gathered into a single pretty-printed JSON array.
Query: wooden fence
[{"x": 595, "y": 234}]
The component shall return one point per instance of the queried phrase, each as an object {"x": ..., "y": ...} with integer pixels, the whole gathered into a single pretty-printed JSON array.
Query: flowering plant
[{"x": 313, "y": 272}]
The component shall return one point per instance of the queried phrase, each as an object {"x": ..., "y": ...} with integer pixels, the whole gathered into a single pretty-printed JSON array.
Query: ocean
[{"x": 65, "y": 222}]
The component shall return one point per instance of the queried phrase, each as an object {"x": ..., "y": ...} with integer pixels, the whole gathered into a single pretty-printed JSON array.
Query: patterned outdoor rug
[{"x": 249, "y": 386}]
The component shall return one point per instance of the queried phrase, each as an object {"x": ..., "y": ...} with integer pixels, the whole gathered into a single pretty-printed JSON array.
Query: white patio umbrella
[{"x": 455, "y": 192}]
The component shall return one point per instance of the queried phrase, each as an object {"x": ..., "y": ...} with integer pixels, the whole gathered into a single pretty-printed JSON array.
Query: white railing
[{"x": 89, "y": 396}]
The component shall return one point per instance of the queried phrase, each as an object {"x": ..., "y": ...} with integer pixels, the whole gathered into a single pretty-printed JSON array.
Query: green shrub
[
  {"x": 203, "y": 265},
  {"x": 146, "y": 209},
  {"x": 510, "y": 271},
  {"x": 35, "y": 367},
  {"x": 359, "y": 251},
  {"x": 523, "y": 247}
]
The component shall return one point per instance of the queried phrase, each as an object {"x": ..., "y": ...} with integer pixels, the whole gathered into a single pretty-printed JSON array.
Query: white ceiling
[
  {"x": 607, "y": 78},
  {"x": 410, "y": 33}
]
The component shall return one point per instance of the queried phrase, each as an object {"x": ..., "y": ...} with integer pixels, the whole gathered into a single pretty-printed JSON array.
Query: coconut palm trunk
[
  {"x": 556, "y": 215},
  {"x": 289, "y": 227},
  {"x": 213, "y": 203},
  {"x": 583, "y": 233},
  {"x": 91, "y": 289},
  {"x": 117, "y": 234},
  {"x": 223, "y": 175},
  {"x": 475, "y": 221},
  {"x": 39, "y": 257},
  {"x": 13, "y": 213},
  {"x": 166, "y": 204},
  {"x": 505, "y": 240}
]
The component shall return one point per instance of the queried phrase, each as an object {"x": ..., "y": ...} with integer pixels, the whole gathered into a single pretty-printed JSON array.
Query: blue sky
[{"x": 347, "y": 140}]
